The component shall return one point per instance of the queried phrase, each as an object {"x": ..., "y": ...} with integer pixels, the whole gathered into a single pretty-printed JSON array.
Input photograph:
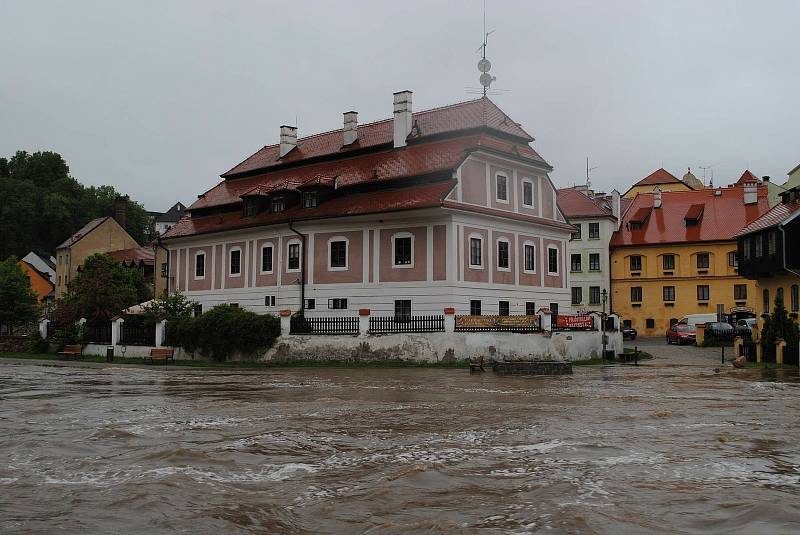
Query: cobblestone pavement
[{"x": 682, "y": 355}]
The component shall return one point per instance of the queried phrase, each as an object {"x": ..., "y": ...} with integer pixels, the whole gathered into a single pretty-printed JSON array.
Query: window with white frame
[
  {"x": 594, "y": 231},
  {"x": 503, "y": 261},
  {"x": 337, "y": 303},
  {"x": 200, "y": 265},
  {"x": 552, "y": 260},
  {"x": 503, "y": 308},
  {"x": 594, "y": 261},
  {"x": 501, "y": 182},
  {"x": 402, "y": 310},
  {"x": 530, "y": 257},
  {"x": 310, "y": 199},
  {"x": 269, "y": 301},
  {"x": 403, "y": 249},
  {"x": 527, "y": 193},
  {"x": 337, "y": 254},
  {"x": 293, "y": 258},
  {"x": 266, "y": 258},
  {"x": 235, "y": 262},
  {"x": 278, "y": 204},
  {"x": 475, "y": 252}
]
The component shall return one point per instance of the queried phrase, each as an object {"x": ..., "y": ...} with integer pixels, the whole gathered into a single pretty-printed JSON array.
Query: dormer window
[
  {"x": 310, "y": 199},
  {"x": 250, "y": 208},
  {"x": 278, "y": 204}
]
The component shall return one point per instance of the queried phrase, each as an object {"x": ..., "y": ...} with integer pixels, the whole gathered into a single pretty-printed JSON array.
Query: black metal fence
[
  {"x": 323, "y": 325},
  {"x": 410, "y": 324},
  {"x": 98, "y": 333},
  {"x": 724, "y": 336},
  {"x": 513, "y": 324},
  {"x": 748, "y": 350},
  {"x": 137, "y": 334},
  {"x": 52, "y": 327},
  {"x": 791, "y": 354}
]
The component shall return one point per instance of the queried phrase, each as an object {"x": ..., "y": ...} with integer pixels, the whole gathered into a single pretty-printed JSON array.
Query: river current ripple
[{"x": 607, "y": 450}]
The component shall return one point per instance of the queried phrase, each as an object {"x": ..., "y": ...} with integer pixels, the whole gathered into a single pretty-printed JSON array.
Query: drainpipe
[
  {"x": 302, "y": 268},
  {"x": 783, "y": 232}
]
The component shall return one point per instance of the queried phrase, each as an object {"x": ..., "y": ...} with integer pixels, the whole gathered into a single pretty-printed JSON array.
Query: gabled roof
[
  {"x": 776, "y": 215},
  {"x": 43, "y": 275},
  {"x": 659, "y": 176},
  {"x": 172, "y": 215},
  {"x": 575, "y": 204},
  {"x": 746, "y": 177},
  {"x": 86, "y": 229},
  {"x": 134, "y": 256},
  {"x": 464, "y": 116},
  {"x": 723, "y": 216},
  {"x": 695, "y": 212}
]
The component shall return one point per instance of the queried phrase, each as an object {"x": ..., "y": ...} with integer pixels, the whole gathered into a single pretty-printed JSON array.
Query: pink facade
[
  {"x": 494, "y": 171},
  {"x": 182, "y": 270},
  {"x": 291, "y": 276},
  {"x": 440, "y": 252},
  {"x": 269, "y": 277},
  {"x": 323, "y": 274},
  {"x": 473, "y": 182},
  {"x": 475, "y": 273},
  {"x": 418, "y": 271},
  {"x": 553, "y": 281},
  {"x": 218, "y": 263},
  {"x": 371, "y": 255},
  {"x": 203, "y": 283},
  {"x": 534, "y": 210},
  {"x": 525, "y": 278},
  {"x": 235, "y": 281},
  {"x": 499, "y": 275},
  {"x": 547, "y": 199}
]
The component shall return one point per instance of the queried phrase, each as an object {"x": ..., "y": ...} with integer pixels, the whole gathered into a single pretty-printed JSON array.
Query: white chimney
[
  {"x": 350, "y": 127},
  {"x": 616, "y": 207},
  {"x": 750, "y": 193},
  {"x": 288, "y": 139},
  {"x": 402, "y": 117},
  {"x": 657, "y": 197}
]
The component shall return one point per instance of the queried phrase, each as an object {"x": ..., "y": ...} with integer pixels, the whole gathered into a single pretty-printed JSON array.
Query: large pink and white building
[{"x": 449, "y": 207}]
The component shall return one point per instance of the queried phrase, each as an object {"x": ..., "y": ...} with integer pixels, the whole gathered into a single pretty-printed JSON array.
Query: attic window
[
  {"x": 694, "y": 215},
  {"x": 250, "y": 208},
  {"x": 278, "y": 204},
  {"x": 639, "y": 218},
  {"x": 310, "y": 199}
]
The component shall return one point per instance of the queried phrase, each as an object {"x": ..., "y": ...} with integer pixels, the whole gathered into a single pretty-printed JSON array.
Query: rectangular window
[
  {"x": 772, "y": 242},
  {"x": 746, "y": 247},
  {"x": 250, "y": 207},
  {"x": 668, "y": 262},
  {"x": 702, "y": 261},
  {"x": 269, "y": 301},
  {"x": 164, "y": 270},
  {"x": 236, "y": 262},
  {"x": 636, "y": 294},
  {"x": 594, "y": 262},
  {"x": 503, "y": 308},
  {"x": 474, "y": 307},
  {"x": 577, "y": 234},
  {"x": 527, "y": 193},
  {"x": 277, "y": 204},
  {"x": 502, "y": 255},
  {"x": 310, "y": 199},
  {"x": 552, "y": 260},
  {"x": 759, "y": 246},
  {"x": 293, "y": 262},
  {"x": 197, "y": 310},
  {"x": 530, "y": 257},
  {"x": 650, "y": 323},
  {"x": 702, "y": 292},
  {"x": 199, "y": 265},
  {"x": 530, "y": 308},
  {"x": 402, "y": 310},
  {"x": 475, "y": 252},
  {"x": 337, "y": 304},
  {"x": 594, "y": 230},
  {"x": 733, "y": 259},
  {"x": 502, "y": 188},
  {"x": 669, "y": 293},
  {"x": 740, "y": 292},
  {"x": 266, "y": 259},
  {"x": 311, "y": 304},
  {"x": 575, "y": 262},
  {"x": 338, "y": 258},
  {"x": 577, "y": 295},
  {"x": 636, "y": 263},
  {"x": 402, "y": 251},
  {"x": 594, "y": 295}
]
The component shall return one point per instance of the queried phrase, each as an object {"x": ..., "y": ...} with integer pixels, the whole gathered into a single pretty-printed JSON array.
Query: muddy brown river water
[{"x": 607, "y": 450}]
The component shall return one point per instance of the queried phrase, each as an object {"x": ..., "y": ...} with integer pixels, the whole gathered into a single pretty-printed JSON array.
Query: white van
[{"x": 694, "y": 319}]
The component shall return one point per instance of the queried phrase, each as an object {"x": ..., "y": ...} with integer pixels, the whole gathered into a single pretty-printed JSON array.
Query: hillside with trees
[{"x": 42, "y": 205}]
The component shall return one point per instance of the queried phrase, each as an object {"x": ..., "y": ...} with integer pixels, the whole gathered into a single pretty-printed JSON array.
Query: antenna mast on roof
[
  {"x": 588, "y": 170},
  {"x": 484, "y": 65},
  {"x": 704, "y": 174}
]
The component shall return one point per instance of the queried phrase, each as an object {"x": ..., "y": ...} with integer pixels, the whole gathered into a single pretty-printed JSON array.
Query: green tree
[
  {"x": 173, "y": 307},
  {"x": 18, "y": 304},
  {"x": 778, "y": 325},
  {"x": 102, "y": 289}
]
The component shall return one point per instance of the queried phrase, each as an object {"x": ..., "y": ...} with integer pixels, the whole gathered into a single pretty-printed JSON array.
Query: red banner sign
[{"x": 574, "y": 322}]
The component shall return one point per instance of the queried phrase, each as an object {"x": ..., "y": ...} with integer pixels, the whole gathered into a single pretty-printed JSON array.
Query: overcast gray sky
[{"x": 158, "y": 98}]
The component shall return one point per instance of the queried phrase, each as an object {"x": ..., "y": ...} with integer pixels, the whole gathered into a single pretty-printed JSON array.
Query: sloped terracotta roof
[
  {"x": 660, "y": 176},
  {"x": 723, "y": 216},
  {"x": 468, "y": 115},
  {"x": 384, "y": 200},
  {"x": 746, "y": 177},
  {"x": 624, "y": 204},
  {"x": 776, "y": 215},
  {"x": 84, "y": 230},
  {"x": 694, "y": 212},
  {"x": 136, "y": 255},
  {"x": 574, "y": 203}
]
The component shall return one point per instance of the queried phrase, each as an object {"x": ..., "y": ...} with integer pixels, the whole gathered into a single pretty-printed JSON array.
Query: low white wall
[
  {"x": 438, "y": 347},
  {"x": 131, "y": 351}
]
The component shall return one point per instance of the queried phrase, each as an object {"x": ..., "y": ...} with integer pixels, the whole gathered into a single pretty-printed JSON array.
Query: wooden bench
[
  {"x": 161, "y": 353},
  {"x": 70, "y": 351},
  {"x": 476, "y": 366}
]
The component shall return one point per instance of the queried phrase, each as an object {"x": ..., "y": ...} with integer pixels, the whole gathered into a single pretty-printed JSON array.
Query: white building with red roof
[{"x": 449, "y": 207}]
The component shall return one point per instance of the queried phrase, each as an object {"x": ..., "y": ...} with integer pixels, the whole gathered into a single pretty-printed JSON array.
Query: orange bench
[
  {"x": 69, "y": 351},
  {"x": 161, "y": 353}
]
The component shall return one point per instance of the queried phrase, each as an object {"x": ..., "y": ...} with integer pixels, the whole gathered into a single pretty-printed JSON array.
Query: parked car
[
  {"x": 694, "y": 319},
  {"x": 681, "y": 333},
  {"x": 629, "y": 333},
  {"x": 746, "y": 323}
]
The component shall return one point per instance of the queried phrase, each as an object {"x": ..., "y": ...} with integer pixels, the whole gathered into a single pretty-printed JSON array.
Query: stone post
[
  {"x": 701, "y": 334},
  {"x": 43, "y": 328},
  {"x": 116, "y": 332},
  {"x": 759, "y": 353},
  {"x": 544, "y": 320},
  {"x": 286, "y": 321},
  {"x": 363, "y": 321},
  {"x": 737, "y": 347},
  {"x": 780, "y": 344},
  {"x": 449, "y": 320},
  {"x": 161, "y": 328}
]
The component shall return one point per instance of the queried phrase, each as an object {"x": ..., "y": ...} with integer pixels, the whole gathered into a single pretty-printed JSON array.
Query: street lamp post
[{"x": 603, "y": 322}]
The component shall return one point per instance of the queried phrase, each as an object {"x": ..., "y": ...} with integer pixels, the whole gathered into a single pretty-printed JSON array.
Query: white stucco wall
[{"x": 586, "y": 246}]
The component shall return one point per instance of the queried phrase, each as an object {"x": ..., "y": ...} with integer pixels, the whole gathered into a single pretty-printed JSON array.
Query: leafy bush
[
  {"x": 173, "y": 307},
  {"x": 223, "y": 331},
  {"x": 38, "y": 345},
  {"x": 69, "y": 334}
]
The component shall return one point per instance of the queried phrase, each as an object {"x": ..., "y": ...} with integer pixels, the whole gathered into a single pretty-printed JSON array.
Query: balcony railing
[{"x": 406, "y": 324}]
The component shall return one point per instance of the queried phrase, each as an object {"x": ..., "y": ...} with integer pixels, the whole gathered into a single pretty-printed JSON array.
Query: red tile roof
[
  {"x": 660, "y": 176},
  {"x": 574, "y": 203},
  {"x": 694, "y": 212},
  {"x": 480, "y": 113},
  {"x": 747, "y": 176},
  {"x": 137, "y": 255},
  {"x": 384, "y": 200},
  {"x": 776, "y": 215},
  {"x": 723, "y": 216},
  {"x": 86, "y": 229}
]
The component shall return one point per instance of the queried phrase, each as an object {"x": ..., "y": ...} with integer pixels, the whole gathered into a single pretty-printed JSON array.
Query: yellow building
[
  {"x": 663, "y": 180},
  {"x": 676, "y": 254}
]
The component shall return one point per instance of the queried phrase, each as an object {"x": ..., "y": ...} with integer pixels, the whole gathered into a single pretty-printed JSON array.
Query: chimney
[
  {"x": 750, "y": 193},
  {"x": 765, "y": 178},
  {"x": 616, "y": 207},
  {"x": 402, "y": 117},
  {"x": 288, "y": 139},
  {"x": 657, "y": 198},
  {"x": 350, "y": 127},
  {"x": 120, "y": 210}
]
